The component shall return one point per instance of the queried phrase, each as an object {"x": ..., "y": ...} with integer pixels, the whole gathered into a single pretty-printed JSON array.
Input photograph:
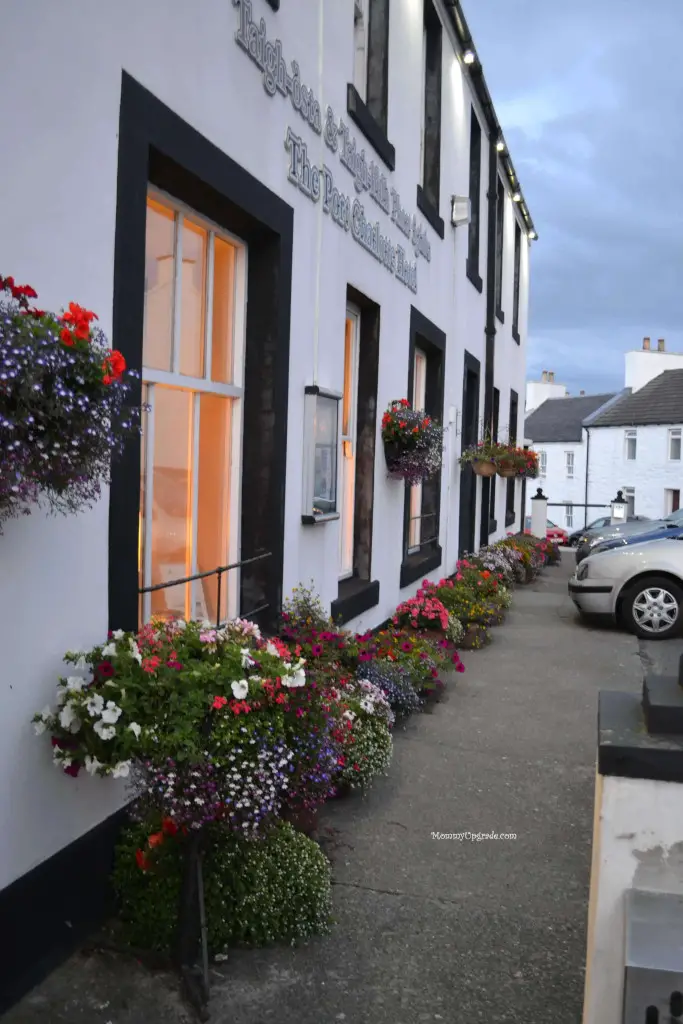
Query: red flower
[
  {"x": 105, "y": 669},
  {"x": 141, "y": 860},
  {"x": 156, "y": 839},
  {"x": 65, "y": 335},
  {"x": 73, "y": 769},
  {"x": 169, "y": 826},
  {"x": 219, "y": 702},
  {"x": 113, "y": 366}
]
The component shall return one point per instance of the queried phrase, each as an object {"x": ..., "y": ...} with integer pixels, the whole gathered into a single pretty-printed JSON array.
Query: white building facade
[{"x": 259, "y": 211}]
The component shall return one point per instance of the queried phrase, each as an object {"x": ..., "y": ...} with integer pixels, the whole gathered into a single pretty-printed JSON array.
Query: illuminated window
[{"x": 348, "y": 442}]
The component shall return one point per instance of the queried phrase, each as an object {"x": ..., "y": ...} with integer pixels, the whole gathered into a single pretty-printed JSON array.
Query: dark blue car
[{"x": 675, "y": 533}]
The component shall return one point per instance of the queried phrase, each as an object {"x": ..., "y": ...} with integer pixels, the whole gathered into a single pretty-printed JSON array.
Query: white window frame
[
  {"x": 360, "y": 47},
  {"x": 198, "y": 386},
  {"x": 630, "y": 500},
  {"x": 418, "y": 400},
  {"x": 630, "y": 435},
  {"x": 569, "y": 465},
  {"x": 348, "y": 443},
  {"x": 674, "y": 435},
  {"x": 569, "y": 515},
  {"x": 542, "y": 463}
]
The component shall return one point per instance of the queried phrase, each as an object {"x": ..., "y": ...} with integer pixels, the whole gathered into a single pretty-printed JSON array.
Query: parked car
[
  {"x": 638, "y": 585},
  {"x": 662, "y": 533},
  {"x": 553, "y": 531},
  {"x": 599, "y": 524},
  {"x": 588, "y": 541}
]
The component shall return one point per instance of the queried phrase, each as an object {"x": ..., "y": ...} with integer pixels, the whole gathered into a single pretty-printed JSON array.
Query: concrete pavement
[{"x": 434, "y": 929}]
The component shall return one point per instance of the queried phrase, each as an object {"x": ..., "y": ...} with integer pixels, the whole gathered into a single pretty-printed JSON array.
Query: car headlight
[{"x": 582, "y": 571}]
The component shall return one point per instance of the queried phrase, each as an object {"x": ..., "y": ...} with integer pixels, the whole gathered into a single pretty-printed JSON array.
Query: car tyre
[{"x": 652, "y": 608}]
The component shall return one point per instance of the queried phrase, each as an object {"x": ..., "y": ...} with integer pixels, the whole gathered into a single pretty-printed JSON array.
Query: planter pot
[
  {"x": 483, "y": 467},
  {"x": 497, "y": 617},
  {"x": 344, "y": 789},
  {"x": 474, "y": 638},
  {"x": 392, "y": 454},
  {"x": 303, "y": 819},
  {"x": 508, "y": 472}
]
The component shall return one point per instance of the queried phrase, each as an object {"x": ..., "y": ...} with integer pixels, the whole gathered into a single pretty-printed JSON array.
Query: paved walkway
[{"x": 429, "y": 929}]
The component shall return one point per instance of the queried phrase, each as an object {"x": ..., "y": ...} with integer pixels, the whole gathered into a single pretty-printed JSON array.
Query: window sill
[
  {"x": 363, "y": 119},
  {"x": 473, "y": 276},
  {"x": 416, "y": 566},
  {"x": 314, "y": 520},
  {"x": 426, "y": 207},
  {"x": 515, "y": 334},
  {"x": 509, "y": 517},
  {"x": 493, "y": 526},
  {"x": 500, "y": 315},
  {"x": 355, "y": 597}
]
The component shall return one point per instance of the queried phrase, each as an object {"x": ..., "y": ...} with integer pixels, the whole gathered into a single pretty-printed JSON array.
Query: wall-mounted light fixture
[
  {"x": 469, "y": 57},
  {"x": 460, "y": 210},
  {"x": 533, "y": 235},
  {"x": 321, "y": 455},
  {"x": 500, "y": 146},
  {"x": 516, "y": 197}
]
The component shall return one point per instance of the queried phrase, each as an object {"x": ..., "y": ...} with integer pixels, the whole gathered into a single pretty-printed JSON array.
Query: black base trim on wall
[
  {"x": 355, "y": 597},
  {"x": 500, "y": 315},
  {"x": 157, "y": 147},
  {"x": 363, "y": 119},
  {"x": 475, "y": 277},
  {"x": 50, "y": 911},
  {"x": 418, "y": 565},
  {"x": 509, "y": 518},
  {"x": 515, "y": 335},
  {"x": 430, "y": 212}
]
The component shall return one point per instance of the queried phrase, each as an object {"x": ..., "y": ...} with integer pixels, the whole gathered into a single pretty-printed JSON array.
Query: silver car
[
  {"x": 639, "y": 586},
  {"x": 590, "y": 539}
]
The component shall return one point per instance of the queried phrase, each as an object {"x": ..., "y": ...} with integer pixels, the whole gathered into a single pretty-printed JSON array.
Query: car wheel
[{"x": 653, "y": 608}]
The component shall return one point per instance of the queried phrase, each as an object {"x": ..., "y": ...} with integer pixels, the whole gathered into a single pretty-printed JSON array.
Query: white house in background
[
  {"x": 265, "y": 220},
  {"x": 538, "y": 391},
  {"x": 556, "y": 431}
]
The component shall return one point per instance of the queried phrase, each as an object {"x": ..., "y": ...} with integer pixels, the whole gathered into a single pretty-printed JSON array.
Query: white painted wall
[
  {"x": 642, "y": 366},
  {"x": 557, "y": 486},
  {"x": 650, "y": 474},
  {"x": 638, "y": 844},
  {"x": 57, "y": 210},
  {"x": 537, "y": 391}
]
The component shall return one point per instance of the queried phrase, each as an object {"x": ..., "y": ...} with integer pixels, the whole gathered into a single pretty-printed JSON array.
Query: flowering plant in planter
[
  {"x": 513, "y": 461},
  {"x": 63, "y": 411},
  {"x": 424, "y": 611},
  {"x": 482, "y": 456},
  {"x": 413, "y": 442}
]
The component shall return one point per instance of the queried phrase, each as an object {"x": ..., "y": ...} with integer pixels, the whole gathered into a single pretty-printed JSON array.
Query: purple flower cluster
[
  {"x": 316, "y": 756},
  {"x": 59, "y": 423},
  {"x": 244, "y": 790},
  {"x": 395, "y": 683}
]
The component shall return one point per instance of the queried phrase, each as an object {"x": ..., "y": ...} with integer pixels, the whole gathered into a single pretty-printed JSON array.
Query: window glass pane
[
  {"x": 172, "y": 501},
  {"x": 193, "y": 299},
  {"x": 419, "y": 380},
  {"x": 213, "y": 503},
  {"x": 145, "y": 424},
  {"x": 325, "y": 476},
  {"x": 349, "y": 369},
  {"x": 159, "y": 279},
  {"x": 223, "y": 311},
  {"x": 675, "y": 445}
]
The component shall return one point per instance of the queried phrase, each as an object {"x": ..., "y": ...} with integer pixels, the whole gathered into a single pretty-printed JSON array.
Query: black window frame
[
  {"x": 517, "y": 271},
  {"x": 512, "y": 438},
  {"x": 371, "y": 116},
  {"x": 426, "y": 336},
  {"x": 474, "y": 227},
  {"x": 493, "y": 490},
  {"x": 500, "y": 249},
  {"x": 428, "y": 193}
]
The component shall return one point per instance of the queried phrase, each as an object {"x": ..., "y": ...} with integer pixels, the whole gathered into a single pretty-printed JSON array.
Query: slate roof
[
  {"x": 560, "y": 419},
  {"x": 660, "y": 401}
]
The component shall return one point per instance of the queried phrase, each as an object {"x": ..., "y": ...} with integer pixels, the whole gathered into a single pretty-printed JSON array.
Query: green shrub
[
  {"x": 370, "y": 754},
  {"x": 256, "y": 893}
]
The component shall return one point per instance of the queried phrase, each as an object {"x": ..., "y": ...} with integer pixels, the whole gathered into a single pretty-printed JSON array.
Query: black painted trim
[
  {"x": 51, "y": 910},
  {"x": 663, "y": 704},
  {"x": 418, "y": 565},
  {"x": 355, "y": 597},
  {"x": 467, "y": 502},
  {"x": 626, "y": 749},
  {"x": 500, "y": 315},
  {"x": 574, "y": 588},
  {"x": 515, "y": 335},
  {"x": 315, "y": 389},
  {"x": 275, "y": 4},
  {"x": 474, "y": 276},
  {"x": 509, "y": 517},
  {"x": 158, "y": 147},
  {"x": 366, "y": 123},
  {"x": 430, "y": 212},
  {"x": 307, "y": 520},
  {"x": 493, "y": 525}
]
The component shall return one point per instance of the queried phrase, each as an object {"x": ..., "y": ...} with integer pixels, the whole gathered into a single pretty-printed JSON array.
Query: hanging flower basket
[
  {"x": 507, "y": 470},
  {"x": 63, "y": 412},
  {"x": 413, "y": 442},
  {"x": 484, "y": 467}
]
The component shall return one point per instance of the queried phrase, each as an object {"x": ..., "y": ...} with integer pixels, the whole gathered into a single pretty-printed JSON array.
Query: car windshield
[
  {"x": 675, "y": 517},
  {"x": 597, "y": 523}
]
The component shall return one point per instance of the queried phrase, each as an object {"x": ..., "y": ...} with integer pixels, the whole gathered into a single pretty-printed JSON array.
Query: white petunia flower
[
  {"x": 105, "y": 732},
  {"x": 121, "y": 770},
  {"x": 111, "y": 713},
  {"x": 75, "y": 683},
  {"x": 240, "y": 690},
  {"x": 109, "y": 651},
  {"x": 350, "y": 715},
  {"x": 81, "y": 664},
  {"x": 68, "y": 719},
  {"x": 247, "y": 659},
  {"x": 92, "y": 764},
  {"x": 272, "y": 649},
  {"x": 118, "y": 634},
  {"x": 135, "y": 651},
  {"x": 39, "y": 727},
  {"x": 135, "y": 728},
  {"x": 367, "y": 705},
  {"x": 95, "y": 705}
]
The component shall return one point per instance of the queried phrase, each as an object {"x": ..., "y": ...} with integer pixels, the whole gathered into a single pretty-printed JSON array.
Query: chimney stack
[
  {"x": 544, "y": 377},
  {"x": 646, "y": 344},
  {"x": 551, "y": 376},
  {"x": 582, "y": 392},
  {"x": 660, "y": 344}
]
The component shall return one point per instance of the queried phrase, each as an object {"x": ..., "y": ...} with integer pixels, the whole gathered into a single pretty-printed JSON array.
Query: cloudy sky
[{"x": 590, "y": 97}]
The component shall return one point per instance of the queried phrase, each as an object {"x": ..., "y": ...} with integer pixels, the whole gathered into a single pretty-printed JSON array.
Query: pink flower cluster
[{"x": 422, "y": 609}]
